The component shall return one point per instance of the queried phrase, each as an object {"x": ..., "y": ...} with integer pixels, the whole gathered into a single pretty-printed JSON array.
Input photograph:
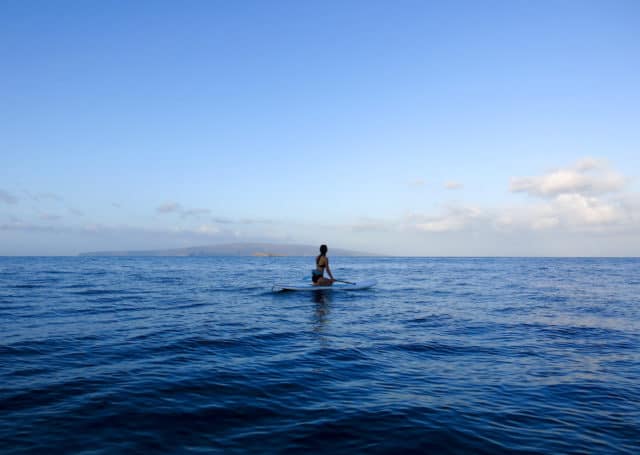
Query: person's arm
[{"x": 328, "y": 269}]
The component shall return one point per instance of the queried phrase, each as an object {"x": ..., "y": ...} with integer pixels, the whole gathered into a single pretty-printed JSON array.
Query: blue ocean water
[{"x": 445, "y": 355}]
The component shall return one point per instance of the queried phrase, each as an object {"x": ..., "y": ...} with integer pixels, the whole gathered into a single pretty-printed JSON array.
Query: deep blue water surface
[{"x": 460, "y": 355}]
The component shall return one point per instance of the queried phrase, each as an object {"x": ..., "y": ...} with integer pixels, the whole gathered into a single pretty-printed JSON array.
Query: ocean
[{"x": 444, "y": 355}]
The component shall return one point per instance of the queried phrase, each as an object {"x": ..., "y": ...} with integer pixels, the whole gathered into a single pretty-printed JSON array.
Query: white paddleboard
[{"x": 336, "y": 286}]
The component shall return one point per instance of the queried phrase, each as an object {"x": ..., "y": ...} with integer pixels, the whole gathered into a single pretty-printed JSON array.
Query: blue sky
[{"x": 409, "y": 127}]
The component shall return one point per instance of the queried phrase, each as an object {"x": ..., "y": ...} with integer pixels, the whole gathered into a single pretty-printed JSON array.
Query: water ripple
[{"x": 446, "y": 355}]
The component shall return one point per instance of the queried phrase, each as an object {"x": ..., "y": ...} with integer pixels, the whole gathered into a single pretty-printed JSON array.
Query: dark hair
[{"x": 323, "y": 252}]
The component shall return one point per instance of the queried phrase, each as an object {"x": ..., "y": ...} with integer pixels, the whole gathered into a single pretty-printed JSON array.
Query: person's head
[{"x": 323, "y": 249}]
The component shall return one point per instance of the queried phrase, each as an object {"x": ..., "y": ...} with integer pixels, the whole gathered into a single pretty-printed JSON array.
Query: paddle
[{"x": 343, "y": 281}]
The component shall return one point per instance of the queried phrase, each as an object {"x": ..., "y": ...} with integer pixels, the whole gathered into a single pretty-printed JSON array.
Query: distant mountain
[{"x": 234, "y": 249}]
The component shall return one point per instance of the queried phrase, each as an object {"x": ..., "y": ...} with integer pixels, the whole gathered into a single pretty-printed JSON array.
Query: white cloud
[
  {"x": 588, "y": 163},
  {"x": 588, "y": 195},
  {"x": 256, "y": 221},
  {"x": 195, "y": 212},
  {"x": 534, "y": 216},
  {"x": 39, "y": 197},
  {"x": 630, "y": 205},
  {"x": 417, "y": 183},
  {"x": 371, "y": 225},
  {"x": 578, "y": 209},
  {"x": 585, "y": 208},
  {"x": 544, "y": 222},
  {"x": 451, "y": 185},
  {"x": 587, "y": 176},
  {"x": 454, "y": 219},
  {"x": 208, "y": 229},
  {"x": 179, "y": 209},
  {"x": 174, "y": 207},
  {"x": 221, "y": 220},
  {"x": 170, "y": 207},
  {"x": 569, "y": 212}
]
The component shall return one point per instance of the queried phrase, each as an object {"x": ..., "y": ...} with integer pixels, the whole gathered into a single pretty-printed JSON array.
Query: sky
[{"x": 417, "y": 128}]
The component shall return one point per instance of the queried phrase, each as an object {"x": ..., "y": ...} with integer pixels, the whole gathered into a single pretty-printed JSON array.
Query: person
[{"x": 322, "y": 264}]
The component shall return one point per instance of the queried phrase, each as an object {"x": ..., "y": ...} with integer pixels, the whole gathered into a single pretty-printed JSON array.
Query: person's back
[{"x": 322, "y": 264}]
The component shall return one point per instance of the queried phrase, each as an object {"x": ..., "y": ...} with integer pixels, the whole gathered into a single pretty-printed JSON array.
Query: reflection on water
[
  {"x": 321, "y": 299},
  {"x": 321, "y": 296}
]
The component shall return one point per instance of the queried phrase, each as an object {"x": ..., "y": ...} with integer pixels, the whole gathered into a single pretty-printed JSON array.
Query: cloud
[
  {"x": 588, "y": 195},
  {"x": 545, "y": 222},
  {"x": 221, "y": 220},
  {"x": 256, "y": 221},
  {"x": 179, "y": 209},
  {"x": 588, "y": 176},
  {"x": 7, "y": 197},
  {"x": 454, "y": 219},
  {"x": 371, "y": 225},
  {"x": 571, "y": 212},
  {"x": 169, "y": 207},
  {"x": 38, "y": 197},
  {"x": 195, "y": 212},
  {"x": 588, "y": 163},
  {"x": 579, "y": 209},
  {"x": 536, "y": 217},
  {"x": 417, "y": 183},
  {"x": 208, "y": 229},
  {"x": 174, "y": 207},
  {"x": 451, "y": 185}
]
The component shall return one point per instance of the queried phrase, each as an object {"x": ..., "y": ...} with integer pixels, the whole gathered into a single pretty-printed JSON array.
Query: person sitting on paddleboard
[{"x": 322, "y": 263}]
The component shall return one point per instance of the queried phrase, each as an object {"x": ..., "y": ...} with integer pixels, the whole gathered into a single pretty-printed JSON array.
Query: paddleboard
[{"x": 336, "y": 286}]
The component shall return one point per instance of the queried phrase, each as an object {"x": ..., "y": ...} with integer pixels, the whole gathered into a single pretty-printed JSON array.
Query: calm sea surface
[{"x": 459, "y": 355}]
